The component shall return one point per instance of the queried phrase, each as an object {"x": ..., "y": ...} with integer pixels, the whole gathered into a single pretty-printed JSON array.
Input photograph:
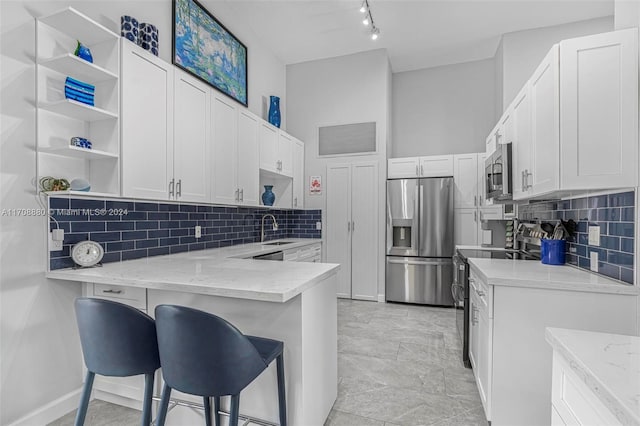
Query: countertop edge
[
  {"x": 591, "y": 380},
  {"x": 621, "y": 289}
]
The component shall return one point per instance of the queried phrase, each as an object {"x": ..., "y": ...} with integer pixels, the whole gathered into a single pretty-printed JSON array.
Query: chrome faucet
[{"x": 275, "y": 225}]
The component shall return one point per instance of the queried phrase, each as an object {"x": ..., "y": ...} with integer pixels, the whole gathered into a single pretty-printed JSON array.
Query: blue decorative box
[{"x": 79, "y": 91}]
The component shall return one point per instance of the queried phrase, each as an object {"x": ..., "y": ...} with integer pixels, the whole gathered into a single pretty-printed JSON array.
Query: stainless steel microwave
[{"x": 498, "y": 172}]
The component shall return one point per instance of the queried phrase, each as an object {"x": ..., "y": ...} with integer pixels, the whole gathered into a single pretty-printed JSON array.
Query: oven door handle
[{"x": 419, "y": 262}]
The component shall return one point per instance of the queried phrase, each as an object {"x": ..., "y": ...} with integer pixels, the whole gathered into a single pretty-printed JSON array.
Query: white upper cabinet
[
  {"x": 276, "y": 150},
  {"x": 225, "y": 151},
  {"x": 248, "y": 158},
  {"x": 599, "y": 110},
  {"x": 545, "y": 126},
  {"x": 415, "y": 167},
  {"x": 521, "y": 148},
  {"x": 298, "y": 174},
  {"x": 147, "y": 124},
  {"x": 436, "y": 166},
  {"x": 399, "y": 168},
  {"x": 285, "y": 153},
  {"x": 192, "y": 127},
  {"x": 465, "y": 177}
]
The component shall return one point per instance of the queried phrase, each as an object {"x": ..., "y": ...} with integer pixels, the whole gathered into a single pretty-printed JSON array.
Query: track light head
[
  {"x": 375, "y": 32},
  {"x": 365, "y": 21}
]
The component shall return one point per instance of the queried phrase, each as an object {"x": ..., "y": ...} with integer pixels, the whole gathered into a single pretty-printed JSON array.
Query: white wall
[
  {"x": 346, "y": 89},
  {"x": 443, "y": 110},
  {"x": 40, "y": 353},
  {"x": 523, "y": 50}
]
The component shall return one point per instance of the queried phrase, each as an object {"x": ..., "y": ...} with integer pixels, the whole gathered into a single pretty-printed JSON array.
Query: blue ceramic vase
[
  {"x": 274, "y": 111},
  {"x": 83, "y": 52},
  {"x": 268, "y": 197}
]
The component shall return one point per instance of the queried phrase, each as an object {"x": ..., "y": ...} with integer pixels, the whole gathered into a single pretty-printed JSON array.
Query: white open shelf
[
  {"x": 81, "y": 194},
  {"x": 69, "y": 64},
  {"x": 78, "y": 152},
  {"x": 78, "y": 25},
  {"x": 75, "y": 109}
]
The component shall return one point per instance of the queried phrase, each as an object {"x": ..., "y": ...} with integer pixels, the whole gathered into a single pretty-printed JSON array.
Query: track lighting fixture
[{"x": 368, "y": 19}]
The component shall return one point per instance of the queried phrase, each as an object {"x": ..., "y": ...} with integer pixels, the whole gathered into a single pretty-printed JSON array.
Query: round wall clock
[{"x": 87, "y": 253}]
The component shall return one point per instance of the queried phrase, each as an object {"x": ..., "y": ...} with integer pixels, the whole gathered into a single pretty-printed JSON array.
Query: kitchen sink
[{"x": 278, "y": 243}]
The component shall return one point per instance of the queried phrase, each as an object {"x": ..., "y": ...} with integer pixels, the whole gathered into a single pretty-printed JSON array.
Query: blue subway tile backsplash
[
  {"x": 614, "y": 213},
  {"x": 132, "y": 230}
]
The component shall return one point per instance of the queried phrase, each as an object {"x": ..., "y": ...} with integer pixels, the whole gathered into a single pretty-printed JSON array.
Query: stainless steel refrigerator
[{"x": 420, "y": 241}]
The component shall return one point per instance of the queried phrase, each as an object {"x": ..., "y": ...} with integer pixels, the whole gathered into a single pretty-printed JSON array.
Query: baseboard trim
[
  {"x": 381, "y": 298},
  {"x": 51, "y": 411}
]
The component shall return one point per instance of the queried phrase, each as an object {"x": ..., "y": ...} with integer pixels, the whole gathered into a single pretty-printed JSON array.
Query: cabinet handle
[
  {"x": 242, "y": 194},
  {"x": 353, "y": 226},
  {"x": 112, "y": 291},
  {"x": 237, "y": 194},
  {"x": 480, "y": 216},
  {"x": 480, "y": 293},
  {"x": 474, "y": 318},
  {"x": 480, "y": 200},
  {"x": 527, "y": 174},
  {"x": 475, "y": 216},
  {"x": 417, "y": 173},
  {"x": 172, "y": 184},
  {"x": 475, "y": 200},
  {"x": 349, "y": 226},
  {"x": 295, "y": 202},
  {"x": 421, "y": 170},
  {"x": 523, "y": 183},
  {"x": 179, "y": 188}
]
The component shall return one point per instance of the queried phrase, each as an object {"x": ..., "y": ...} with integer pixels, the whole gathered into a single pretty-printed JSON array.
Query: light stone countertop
[
  {"x": 609, "y": 364},
  {"x": 534, "y": 274},
  {"x": 219, "y": 272}
]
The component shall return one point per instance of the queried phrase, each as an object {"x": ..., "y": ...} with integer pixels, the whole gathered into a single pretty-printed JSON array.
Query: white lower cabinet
[
  {"x": 511, "y": 360},
  {"x": 352, "y": 227},
  {"x": 573, "y": 403}
]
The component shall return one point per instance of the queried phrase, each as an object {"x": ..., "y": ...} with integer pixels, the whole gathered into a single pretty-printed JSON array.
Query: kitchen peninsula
[{"x": 290, "y": 301}]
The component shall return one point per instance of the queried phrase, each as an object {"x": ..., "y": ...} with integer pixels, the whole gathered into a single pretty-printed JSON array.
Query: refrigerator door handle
[{"x": 419, "y": 262}]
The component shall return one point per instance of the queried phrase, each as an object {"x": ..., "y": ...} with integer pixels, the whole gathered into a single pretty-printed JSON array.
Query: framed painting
[{"x": 203, "y": 47}]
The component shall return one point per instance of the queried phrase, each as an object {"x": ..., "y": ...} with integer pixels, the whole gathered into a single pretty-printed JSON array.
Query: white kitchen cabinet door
[
  {"x": 364, "y": 230},
  {"x": 268, "y": 138},
  {"x": 401, "y": 168},
  {"x": 465, "y": 226},
  {"x": 436, "y": 166},
  {"x": 298, "y": 174},
  {"x": 225, "y": 151},
  {"x": 465, "y": 177},
  {"x": 285, "y": 153},
  {"x": 473, "y": 329},
  {"x": 248, "y": 171},
  {"x": 545, "y": 126},
  {"x": 192, "y": 126},
  {"x": 147, "y": 124},
  {"x": 521, "y": 148},
  {"x": 599, "y": 110},
  {"x": 338, "y": 223}
]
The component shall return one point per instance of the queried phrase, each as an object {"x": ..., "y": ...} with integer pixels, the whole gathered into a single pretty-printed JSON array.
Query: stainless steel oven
[{"x": 498, "y": 172}]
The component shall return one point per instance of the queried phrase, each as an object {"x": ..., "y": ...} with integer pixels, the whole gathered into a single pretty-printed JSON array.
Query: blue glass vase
[
  {"x": 83, "y": 52},
  {"x": 268, "y": 197},
  {"x": 274, "y": 111}
]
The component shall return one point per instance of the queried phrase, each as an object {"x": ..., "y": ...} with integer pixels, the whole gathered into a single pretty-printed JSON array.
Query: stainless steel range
[{"x": 460, "y": 287}]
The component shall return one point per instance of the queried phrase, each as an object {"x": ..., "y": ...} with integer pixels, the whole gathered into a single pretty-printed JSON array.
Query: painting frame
[{"x": 229, "y": 77}]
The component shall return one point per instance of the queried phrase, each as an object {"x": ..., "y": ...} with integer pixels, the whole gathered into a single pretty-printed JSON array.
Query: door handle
[
  {"x": 172, "y": 183},
  {"x": 179, "y": 188},
  {"x": 416, "y": 262}
]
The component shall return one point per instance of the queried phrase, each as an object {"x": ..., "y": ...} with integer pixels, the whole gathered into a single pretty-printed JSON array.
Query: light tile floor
[{"x": 397, "y": 365}]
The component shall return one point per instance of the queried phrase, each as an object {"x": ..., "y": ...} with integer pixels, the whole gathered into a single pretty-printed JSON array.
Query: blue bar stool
[
  {"x": 202, "y": 354},
  {"x": 117, "y": 340}
]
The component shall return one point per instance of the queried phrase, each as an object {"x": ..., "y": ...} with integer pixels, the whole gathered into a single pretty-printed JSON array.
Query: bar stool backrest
[
  {"x": 203, "y": 354},
  {"x": 116, "y": 339}
]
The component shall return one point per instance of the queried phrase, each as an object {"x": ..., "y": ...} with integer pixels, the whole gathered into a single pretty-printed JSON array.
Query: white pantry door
[{"x": 338, "y": 210}]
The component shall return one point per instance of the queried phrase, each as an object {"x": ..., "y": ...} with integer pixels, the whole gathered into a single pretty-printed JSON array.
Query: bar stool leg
[
  {"x": 206, "y": 401},
  {"x": 146, "y": 403},
  {"x": 84, "y": 399},
  {"x": 164, "y": 405},
  {"x": 216, "y": 407},
  {"x": 235, "y": 410},
  {"x": 282, "y": 400}
]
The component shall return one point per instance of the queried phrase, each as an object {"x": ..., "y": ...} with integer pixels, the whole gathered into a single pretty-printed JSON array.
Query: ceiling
[{"x": 417, "y": 34}]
